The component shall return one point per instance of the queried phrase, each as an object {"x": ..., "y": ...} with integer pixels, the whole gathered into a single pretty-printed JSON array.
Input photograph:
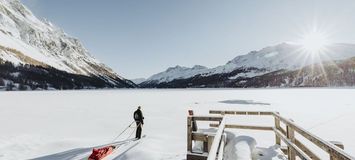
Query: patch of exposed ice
[{"x": 243, "y": 102}]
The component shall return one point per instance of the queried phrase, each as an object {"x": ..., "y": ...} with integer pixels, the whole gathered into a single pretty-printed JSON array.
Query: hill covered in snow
[
  {"x": 251, "y": 70},
  {"x": 27, "y": 40}
]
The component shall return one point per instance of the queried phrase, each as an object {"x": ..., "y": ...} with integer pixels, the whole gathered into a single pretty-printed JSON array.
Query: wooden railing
[
  {"x": 294, "y": 147},
  {"x": 335, "y": 152},
  {"x": 212, "y": 143}
]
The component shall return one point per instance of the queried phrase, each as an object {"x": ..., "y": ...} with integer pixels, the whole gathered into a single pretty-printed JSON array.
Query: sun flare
[{"x": 314, "y": 42}]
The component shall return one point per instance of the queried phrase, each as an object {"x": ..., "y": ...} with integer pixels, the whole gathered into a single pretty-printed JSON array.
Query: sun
[{"x": 314, "y": 42}]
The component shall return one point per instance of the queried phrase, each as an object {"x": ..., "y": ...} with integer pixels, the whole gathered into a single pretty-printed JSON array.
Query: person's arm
[{"x": 142, "y": 118}]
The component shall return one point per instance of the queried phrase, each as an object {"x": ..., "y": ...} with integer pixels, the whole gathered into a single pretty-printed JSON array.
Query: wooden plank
[
  {"x": 326, "y": 146},
  {"x": 338, "y": 144},
  {"x": 209, "y": 142},
  {"x": 228, "y": 112},
  {"x": 266, "y": 128},
  {"x": 277, "y": 126},
  {"x": 205, "y": 146},
  {"x": 284, "y": 149},
  {"x": 216, "y": 141},
  {"x": 290, "y": 134},
  {"x": 253, "y": 113},
  {"x": 240, "y": 112},
  {"x": 283, "y": 131},
  {"x": 206, "y": 118},
  {"x": 196, "y": 156},
  {"x": 221, "y": 148},
  {"x": 298, "y": 151},
  {"x": 306, "y": 150},
  {"x": 189, "y": 134},
  {"x": 215, "y": 112},
  {"x": 265, "y": 113},
  {"x": 199, "y": 137}
]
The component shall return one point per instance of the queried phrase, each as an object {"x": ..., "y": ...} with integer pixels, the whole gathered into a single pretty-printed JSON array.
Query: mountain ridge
[
  {"x": 25, "y": 39},
  {"x": 284, "y": 56}
]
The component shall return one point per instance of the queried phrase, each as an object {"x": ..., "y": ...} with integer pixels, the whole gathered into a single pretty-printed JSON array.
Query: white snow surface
[
  {"x": 43, "y": 41},
  {"x": 37, "y": 124},
  {"x": 288, "y": 56}
]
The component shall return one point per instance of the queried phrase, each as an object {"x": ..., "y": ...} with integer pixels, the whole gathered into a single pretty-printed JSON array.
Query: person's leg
[{"x": 137, "y": 130}]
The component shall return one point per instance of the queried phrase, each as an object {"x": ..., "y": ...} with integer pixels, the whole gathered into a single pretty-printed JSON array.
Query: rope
[
  {"x": 129, "y": 126},
  {"x": 120, "y": 142},
  {"x": 139, "y": 125},
  {"x": 131, "y": 133}
]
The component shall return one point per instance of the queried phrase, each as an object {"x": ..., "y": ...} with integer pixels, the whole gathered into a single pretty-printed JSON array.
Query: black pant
[{"x": 138, "y": 130}]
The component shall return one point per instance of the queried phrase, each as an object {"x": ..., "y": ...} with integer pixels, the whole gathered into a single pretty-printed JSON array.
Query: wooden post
[
  {"x": 189, "y": 134},
  {"x": 205, "y": 146},
  {"x": 290, "y": 133},
  {"x": 210, "y": 140},
  {"x": 338, "y": 144},
  {"x": 194, "y": 124},
  {"x": 277, "y": 126}
]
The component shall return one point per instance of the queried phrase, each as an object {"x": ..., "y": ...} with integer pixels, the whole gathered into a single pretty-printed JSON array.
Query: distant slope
[
  {"x": 138, "y": 80},
  {"x": 176, "y": 72},
  {"x": 30, "y": 77},
  {"x": 282, "y": 57},
  {"x": 24, "y": 39},
  {"x": 326, "y": 74}
]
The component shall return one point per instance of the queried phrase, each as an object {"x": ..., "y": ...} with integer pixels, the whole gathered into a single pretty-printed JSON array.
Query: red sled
[{"x": 100, "y": 153}]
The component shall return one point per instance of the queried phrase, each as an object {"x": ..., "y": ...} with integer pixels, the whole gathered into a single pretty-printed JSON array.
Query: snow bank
[
  {"x": 271, "y": 153},
  {"x": 240, "y": 148}
]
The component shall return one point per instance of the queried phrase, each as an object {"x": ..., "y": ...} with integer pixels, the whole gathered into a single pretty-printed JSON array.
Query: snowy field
[{"x": 37, "y": 124}]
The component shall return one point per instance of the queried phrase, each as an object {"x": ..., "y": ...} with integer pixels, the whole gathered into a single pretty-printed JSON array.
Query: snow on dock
[{"x": 244, "y": 147}]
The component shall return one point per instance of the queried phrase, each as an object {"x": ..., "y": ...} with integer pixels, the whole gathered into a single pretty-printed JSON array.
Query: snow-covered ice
[{"x": 37, "y": 124}]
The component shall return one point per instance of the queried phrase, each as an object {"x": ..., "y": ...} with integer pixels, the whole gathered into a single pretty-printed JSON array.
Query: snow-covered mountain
[
  {"x": 284, "y": 56},
  {"x": 177, "y": 72},
  {"x": 138, "y": 80},
  {"x": 326, "y": 74},
  {"x": 25, "y": 39}
]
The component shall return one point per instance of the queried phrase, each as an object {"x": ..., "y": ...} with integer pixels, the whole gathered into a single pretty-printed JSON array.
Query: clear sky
[{"x": 138, "y": 38}]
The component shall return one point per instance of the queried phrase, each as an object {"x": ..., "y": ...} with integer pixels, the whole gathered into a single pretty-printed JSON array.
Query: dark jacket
[{"x": 138, "y": 116}]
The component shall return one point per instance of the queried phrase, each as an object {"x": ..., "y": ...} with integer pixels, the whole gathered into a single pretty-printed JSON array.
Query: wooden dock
[{"x": 213, "y": 144}]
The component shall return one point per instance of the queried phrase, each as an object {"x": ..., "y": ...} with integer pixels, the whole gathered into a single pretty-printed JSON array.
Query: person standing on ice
[{"x": 138, "y": 117}]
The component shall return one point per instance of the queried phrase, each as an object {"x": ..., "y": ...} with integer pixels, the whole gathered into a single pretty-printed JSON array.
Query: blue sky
[{"x": 138, "y": 38}]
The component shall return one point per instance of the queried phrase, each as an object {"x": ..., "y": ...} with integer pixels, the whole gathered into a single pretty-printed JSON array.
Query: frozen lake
[{"x": 36, "y": 124}]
